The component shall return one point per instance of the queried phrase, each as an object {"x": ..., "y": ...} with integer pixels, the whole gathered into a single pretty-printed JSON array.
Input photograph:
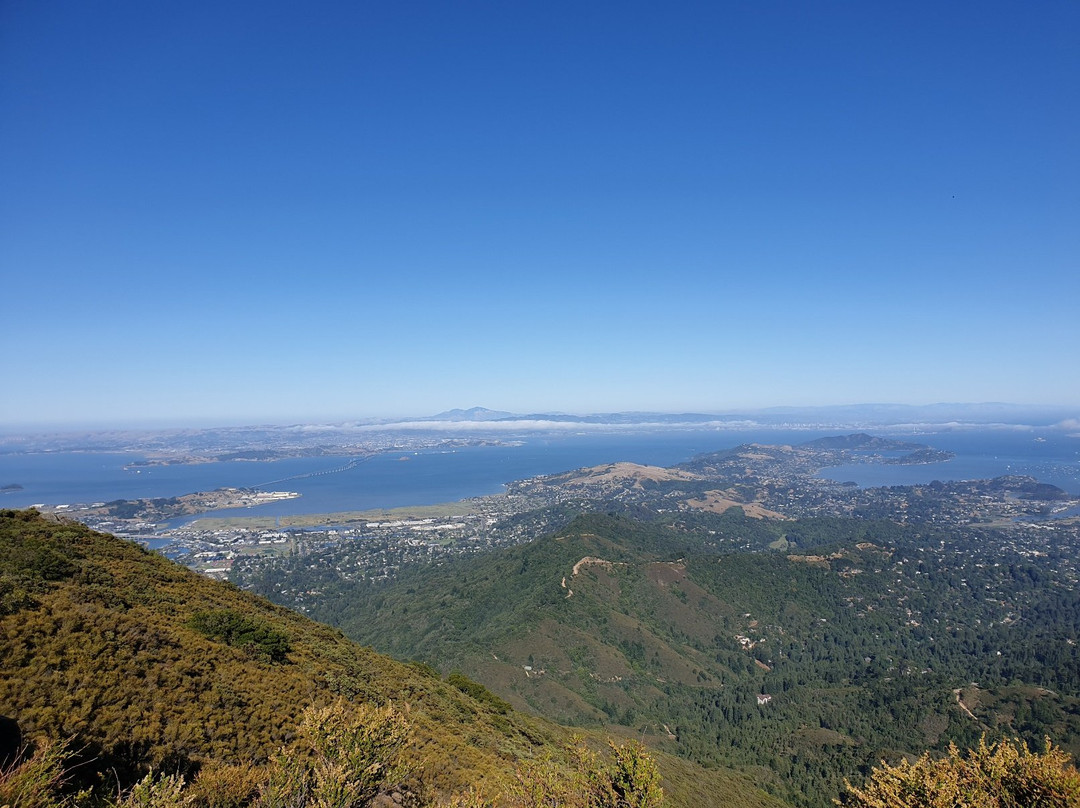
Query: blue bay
[{"x": 395, "y": 479}]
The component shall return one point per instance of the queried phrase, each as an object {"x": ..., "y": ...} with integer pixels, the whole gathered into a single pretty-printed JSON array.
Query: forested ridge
[{"x": 860, "y": 640}]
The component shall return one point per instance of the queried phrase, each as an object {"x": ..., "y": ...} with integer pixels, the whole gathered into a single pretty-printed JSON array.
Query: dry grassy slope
[
  {"x": 615, "y": 478},
  {"x": 621, "y": 474}
]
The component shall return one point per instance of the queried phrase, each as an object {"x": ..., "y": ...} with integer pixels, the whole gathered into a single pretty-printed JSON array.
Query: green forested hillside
[
  {"x": 867, "y": 638},
  {"x": 139, "y": 664}
]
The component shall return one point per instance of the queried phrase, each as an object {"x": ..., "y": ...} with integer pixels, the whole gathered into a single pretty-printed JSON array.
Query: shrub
[
  {"x": 155, "y": 792},
  {"x": 36, "y": 780},
  {"x": 354, "y": 752},
  {"x": 241, "y": 631},
  {"x": 223, "y": 785},
  {"x": 478, "y": 692},
  {"x": 13, "y": 595},
  {"x": 630, "y": 779},
  {"x": 1000, "y": 775}
]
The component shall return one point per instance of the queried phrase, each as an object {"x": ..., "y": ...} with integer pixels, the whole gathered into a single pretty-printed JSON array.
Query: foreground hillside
[
  {"x": 142, "y": 664},
  {"x": 98, "y": 641},
  {"x": 860, "y": 641}
]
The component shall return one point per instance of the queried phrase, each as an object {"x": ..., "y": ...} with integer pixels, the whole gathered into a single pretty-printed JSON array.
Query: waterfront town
[{"x": 778, "y": 483}]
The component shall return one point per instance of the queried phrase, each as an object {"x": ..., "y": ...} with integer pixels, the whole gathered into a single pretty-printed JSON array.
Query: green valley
[{"x": 861, "y": 640}]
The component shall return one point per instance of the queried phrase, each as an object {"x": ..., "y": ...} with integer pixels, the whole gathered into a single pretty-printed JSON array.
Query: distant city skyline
[{"x": 280, "y": 212}]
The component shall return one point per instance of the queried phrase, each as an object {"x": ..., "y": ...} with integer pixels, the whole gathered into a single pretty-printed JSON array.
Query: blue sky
[{"x": 286, "y": 211}]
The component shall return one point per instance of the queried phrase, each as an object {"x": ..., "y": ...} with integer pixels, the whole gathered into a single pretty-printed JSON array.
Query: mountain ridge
[{"x": 661, "y": 628}]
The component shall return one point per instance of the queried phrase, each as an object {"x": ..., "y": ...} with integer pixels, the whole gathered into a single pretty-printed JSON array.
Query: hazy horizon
[
  {"x": 842, "y": 416},
  {"x": 273, "y": 212}
]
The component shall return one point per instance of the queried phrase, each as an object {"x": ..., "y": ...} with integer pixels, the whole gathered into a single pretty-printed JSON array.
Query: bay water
[{"x": 433, "y": 476}]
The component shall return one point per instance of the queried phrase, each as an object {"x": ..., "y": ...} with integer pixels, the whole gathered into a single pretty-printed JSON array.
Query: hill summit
[{"x": 471, "y": 414}]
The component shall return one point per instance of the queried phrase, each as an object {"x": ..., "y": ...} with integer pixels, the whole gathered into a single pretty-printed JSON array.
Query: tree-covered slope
[{"x": 866, "y": 638}]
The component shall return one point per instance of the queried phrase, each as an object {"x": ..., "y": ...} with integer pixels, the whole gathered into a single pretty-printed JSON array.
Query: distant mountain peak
[{"x": 471, "y": 414}]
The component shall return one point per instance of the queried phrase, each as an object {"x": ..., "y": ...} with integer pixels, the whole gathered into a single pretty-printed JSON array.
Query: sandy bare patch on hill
[
  {"x": 626, "y": 472},
  {"x": 720, "y": 501},
  {"x": 754, "y": 456},
  {"x": 666, "y": 573},
  {"x": 597, "y": 562}
]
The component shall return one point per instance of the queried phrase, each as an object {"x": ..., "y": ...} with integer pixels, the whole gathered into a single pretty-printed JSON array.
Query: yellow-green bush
[{"x": 999, "y": 775}]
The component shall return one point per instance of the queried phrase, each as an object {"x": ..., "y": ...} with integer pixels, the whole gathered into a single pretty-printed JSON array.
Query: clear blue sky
[{"x": 318, "y": 210}]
